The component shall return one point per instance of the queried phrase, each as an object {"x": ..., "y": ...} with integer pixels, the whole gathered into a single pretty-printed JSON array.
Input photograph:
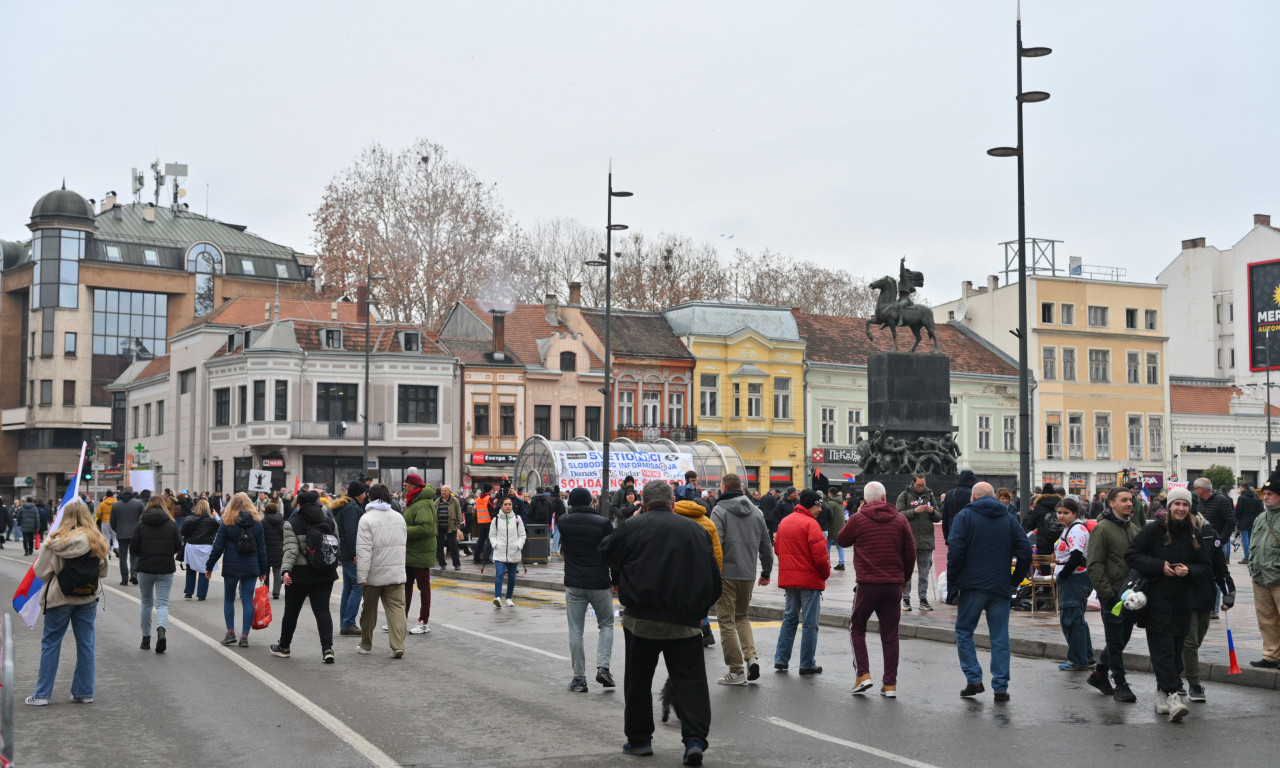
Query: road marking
[
  {"x": 497, "y": 639},
  {"x": 846, "y": 743}
]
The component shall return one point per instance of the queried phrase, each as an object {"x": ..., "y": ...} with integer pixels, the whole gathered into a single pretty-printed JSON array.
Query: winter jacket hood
[
  {"x": 743, "y": 535},
  {"x": 380, "y": 545},
  {"x": 420, "y": 519},
  {"x": 884, "y": 551},
  {"x": 156, "y": 542},
  {"x": 346, "y": 518},
  {"x": 507, "y": 537},
  {"x": 49, "y": 563},
  {"x": 984, "y": 538},
  {"x": 236, "y": 565},
  {"x": 801, "y": 546},
  {"x": 698, "y": 514}
]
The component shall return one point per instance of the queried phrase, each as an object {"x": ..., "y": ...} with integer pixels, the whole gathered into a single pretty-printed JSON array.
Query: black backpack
[
  {"x": 246, "y": 545},
  {"x": 322, "y": 549},
  {"x": 79, "y": 576}
]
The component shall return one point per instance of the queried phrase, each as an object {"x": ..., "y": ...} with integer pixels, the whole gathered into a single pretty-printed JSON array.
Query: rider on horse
[{"x": 908, "y": 281}]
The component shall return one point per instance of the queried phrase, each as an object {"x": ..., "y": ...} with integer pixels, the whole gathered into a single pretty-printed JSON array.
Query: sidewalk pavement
[{"x": 1032, "y": 636}]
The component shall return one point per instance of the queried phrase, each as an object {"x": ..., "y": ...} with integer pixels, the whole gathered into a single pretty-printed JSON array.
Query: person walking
[
  {"x": 307, "y": 578},
  {"x": 667, "y": 581},
  {"x": 918, "y": 504},
  {"x": 1069, "y": 555},
  {"x": 125, "y": 514},
  {"x": 420, "y": 553},
  {"x": 28, "y": 517},
  {"x": 1108, "y": 571},
  {"x": 696, "y": 512},
  {"x": 1168, "y": 554},
  {"x": 381, "y": 536},
  {"x": 587, "y": 581},
  {"x": 1264, "y": 570},
  {"x": 984, "y": 538},
  {"x": 102, "y": 516},
  {"x": 1248, "y": 507},
  {"x": 273, "y": 534},
  {"x": 884, "y": 553},
  {"x": 957, "y": 499},
  {"x": 1203, "y": 592},
  {"x": 67, "y": 560},
  {"x": 1218, "y": 511},
  {"x": 156, "y": 544},
  {"x": 744, "y": 540},
  {"x": 506, "y": 539},
  {"x": 198, "y": 533},
  {"x": 484, "y": 518},
  {"x": 449, "y": 521},
  {"x": 804, "y": 565},
  {"x": 240, "y": 539},
  {"x": 832, "y": 520},
  {"x": 346, "y": 518}
]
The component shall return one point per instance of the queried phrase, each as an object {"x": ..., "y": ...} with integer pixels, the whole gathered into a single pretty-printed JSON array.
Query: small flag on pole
[{"x": 26, "y": 600}]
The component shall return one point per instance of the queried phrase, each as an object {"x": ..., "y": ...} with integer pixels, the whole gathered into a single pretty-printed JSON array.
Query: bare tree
[{"x": 772, "y": 278}]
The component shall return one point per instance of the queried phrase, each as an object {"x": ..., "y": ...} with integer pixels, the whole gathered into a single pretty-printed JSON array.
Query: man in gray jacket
[
  {"x": 125, "y": 514},
  {"x": 918, "y": 505},
  {"x": 744, "y": 537}
]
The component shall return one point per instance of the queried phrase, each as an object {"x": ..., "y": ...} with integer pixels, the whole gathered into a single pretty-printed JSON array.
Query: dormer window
[
  {"x": 248, "y": 339},
  {"x": 411, "y": 341},
  {"x": 231, "y": 343},
  {"x": 151, "y": 256},
  {"x": 246, "y": 266},
  {"x": 332, "y": 339},
  {"x": 569, "y": 361}
]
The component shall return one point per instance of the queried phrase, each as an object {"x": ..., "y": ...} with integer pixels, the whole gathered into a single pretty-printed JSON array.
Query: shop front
[{"x": 491, "y": 468}]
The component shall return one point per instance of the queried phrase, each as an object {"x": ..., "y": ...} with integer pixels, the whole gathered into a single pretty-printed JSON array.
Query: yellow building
[
  {"x": 749, "y": 382},
  {"x": 1097, "y": 352}
]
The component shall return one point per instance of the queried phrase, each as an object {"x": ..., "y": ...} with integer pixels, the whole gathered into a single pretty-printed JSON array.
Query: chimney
[
  {"x": 1262, "y": 218},
  {"x": 551, "y": 305},
  {"x": 1195, "y": 242},
  {"x": 966, "y": 289},
  {"x": 333, "y": 311},
  {"x": 149, "y": 214},
  {"x": 362, "y": 302},
  {"x": 575, "y": 294},
  {"x": 109, "y": 202},
  {"x": 499, "y": 334},
  {"x": 118, "y": 213},
  {"x": 993, "y": 283}
]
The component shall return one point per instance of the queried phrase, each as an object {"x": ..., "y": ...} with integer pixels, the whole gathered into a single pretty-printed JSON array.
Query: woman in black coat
[
  {"x": 273, "y": 529},
  {"x": 1169, "y": 555},
  {"x": 156, "y": 544},
  {"x": 198, "y": 531}
]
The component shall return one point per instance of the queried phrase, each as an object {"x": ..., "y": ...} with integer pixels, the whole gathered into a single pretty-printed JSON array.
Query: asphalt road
[{"x": 487, "y": 688}]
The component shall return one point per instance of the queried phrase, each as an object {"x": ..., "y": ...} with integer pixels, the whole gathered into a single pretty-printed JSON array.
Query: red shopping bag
[
  {"x": 261, "y": 607},
  {"x": 37, "y": 541}
]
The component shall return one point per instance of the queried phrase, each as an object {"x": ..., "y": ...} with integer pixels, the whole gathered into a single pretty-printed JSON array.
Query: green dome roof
[{"x": 61, "y": 204}]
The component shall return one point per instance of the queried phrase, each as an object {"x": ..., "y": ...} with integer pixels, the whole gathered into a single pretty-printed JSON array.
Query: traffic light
[{"x": 86, "y": 477}]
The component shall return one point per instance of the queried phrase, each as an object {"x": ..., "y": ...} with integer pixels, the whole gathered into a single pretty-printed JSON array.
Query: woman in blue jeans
[
  {"x": 241, "y": 541},
  {"x": 507, "y": 536},
  {"x": 75, "y": 537},
  {"x": 156, "y": 544},
  {"x": 198, "y": 531},
  {"x": 1073, "y": 586}
]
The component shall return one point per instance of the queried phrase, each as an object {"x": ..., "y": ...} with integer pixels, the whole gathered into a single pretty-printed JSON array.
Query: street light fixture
[
  {"x": 606, "y": 260},
  {"x": 1024, "y": 389}
]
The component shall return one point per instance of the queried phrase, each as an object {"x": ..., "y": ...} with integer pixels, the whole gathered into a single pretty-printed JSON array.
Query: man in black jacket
[
  {"x": 346, "y": 516},
  {"x": 1248, "y": 507},
  {"x": 667, "y": 580},
  {"x": 1218, "y": 511},
  {"x": 957, "y": 499},
  {"x": 125, "y": 514},
  {"x": 586, "y": 581}
]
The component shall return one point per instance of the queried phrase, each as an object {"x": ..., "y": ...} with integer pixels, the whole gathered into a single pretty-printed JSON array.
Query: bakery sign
[
  {"x": 479, "y": 457},
  {"x": 1203, "y": 448}
]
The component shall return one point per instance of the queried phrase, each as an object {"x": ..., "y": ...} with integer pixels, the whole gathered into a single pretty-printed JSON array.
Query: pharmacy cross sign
[{"x": 140, "y": 448}]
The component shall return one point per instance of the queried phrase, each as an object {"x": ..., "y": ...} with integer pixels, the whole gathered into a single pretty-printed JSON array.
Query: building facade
[{"x": 1214, "y": 421}]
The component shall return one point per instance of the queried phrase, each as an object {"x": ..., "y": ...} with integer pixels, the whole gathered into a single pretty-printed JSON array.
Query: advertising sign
[
  {"x": 581, "y": 469},
  {"x": 818, "y": 455},
  {"x": 1264, "y": 315}
]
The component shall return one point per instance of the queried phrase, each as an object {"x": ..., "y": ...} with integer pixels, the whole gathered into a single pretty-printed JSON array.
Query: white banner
[{"x": 581, "y": 469}]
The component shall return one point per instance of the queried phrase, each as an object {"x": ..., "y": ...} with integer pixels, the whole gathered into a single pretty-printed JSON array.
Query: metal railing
[
  {"x": 337, "y": 430},
  {"x": 650, "y": 432}
]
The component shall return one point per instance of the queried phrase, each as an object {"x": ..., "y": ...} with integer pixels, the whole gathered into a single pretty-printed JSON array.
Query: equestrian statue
[{"x": 894, "y": 306}]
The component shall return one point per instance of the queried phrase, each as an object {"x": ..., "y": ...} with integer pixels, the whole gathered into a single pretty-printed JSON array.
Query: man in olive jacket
[
  {"x": 420, "y": 550},
  {"x": 448, "y": 520},
  {"x": 1108, "y": 571},
  {"x": 918, "y": 504}
]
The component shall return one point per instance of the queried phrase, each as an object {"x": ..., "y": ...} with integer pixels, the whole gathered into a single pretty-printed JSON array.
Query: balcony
[
  {"x": 336, "y": 430},
  {"x": 648, "y": 433}
]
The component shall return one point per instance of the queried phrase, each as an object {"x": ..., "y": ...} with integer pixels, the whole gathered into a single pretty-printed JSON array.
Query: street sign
[
  {"x": 100, "y": 488},
  {"x": 107, "y": 444}
]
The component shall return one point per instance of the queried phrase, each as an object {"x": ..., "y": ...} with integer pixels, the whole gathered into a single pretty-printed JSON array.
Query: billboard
[
  {"x": 1264, "y": 315},
  {"x": 582, "y": 469}
]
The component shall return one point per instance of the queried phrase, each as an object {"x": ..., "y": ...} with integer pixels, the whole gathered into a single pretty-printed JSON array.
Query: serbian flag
[
  {"x": 26, "y": 600},
  {"x": 849, "y": 478}
]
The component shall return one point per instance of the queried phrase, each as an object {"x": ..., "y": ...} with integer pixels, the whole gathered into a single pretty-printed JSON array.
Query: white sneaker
[
  {"x": 360, "y": 650},
  {"x": 33, "y": 701},
  {"x": 1177, "y": 709},
  {"x": 510, "y": 603},
  {"x": 385, "y": 628},
  {"x": 733, "y": 678},
  {"x": 497, "y": 602},
  {"x": 1162, "y": 702},
  {"x": 397, "y": 653},
  {"x": 420, "y": 628},
  {"x": 81, "y": 699}
]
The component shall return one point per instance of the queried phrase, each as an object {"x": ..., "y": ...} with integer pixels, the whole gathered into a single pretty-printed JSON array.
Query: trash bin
[{"x": 537, "y": 543}]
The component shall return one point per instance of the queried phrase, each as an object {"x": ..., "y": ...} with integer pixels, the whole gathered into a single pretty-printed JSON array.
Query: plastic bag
[
  {"x": 261, "y": 607},
  {"x": 942, "y": 586},
  {"x": 37, "y": 544}
]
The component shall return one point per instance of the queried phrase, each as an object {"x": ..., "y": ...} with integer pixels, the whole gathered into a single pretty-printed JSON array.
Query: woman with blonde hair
[
  {"x": 75, "y": 537},
  {"x": 241, "y": 539},
  {"x": 198, "y": 532}
]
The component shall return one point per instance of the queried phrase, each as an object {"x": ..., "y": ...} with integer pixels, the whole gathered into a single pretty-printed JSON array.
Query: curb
[{"x": 1268, "y": 679}]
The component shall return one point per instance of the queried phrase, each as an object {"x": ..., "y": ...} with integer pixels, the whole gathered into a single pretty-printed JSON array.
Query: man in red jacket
[
  {"x": 884, "y": 552},
  {"x": 803, "y": 569}
]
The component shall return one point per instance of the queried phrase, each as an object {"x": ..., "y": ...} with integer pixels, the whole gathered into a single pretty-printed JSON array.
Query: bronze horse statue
[{"x": 890, "y": 314}]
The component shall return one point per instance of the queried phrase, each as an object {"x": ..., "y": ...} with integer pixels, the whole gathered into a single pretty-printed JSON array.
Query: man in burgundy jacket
[
  {"x": 884, "y": 552},
  {"x": 803, "y": 569}
]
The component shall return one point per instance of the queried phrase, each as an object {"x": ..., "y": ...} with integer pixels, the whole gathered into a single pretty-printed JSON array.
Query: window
[
  {"x": 113, "y": 253},
  {"x": 855, "y": 421},
  {"x": 129, "y": 320},
  {"x": 1067, "y": 314},
  {"x": 336, "y": 402},
  {"x": 1053, "y": 436},
  {"x": 675, "y": 409},
  {"x": 1100, "y": 366},
  {"x": 708, "y": 395},
  {"x": 1151, "y": 320},
  {"x": 417, "y": 404},
  {"x": 755, "y": 401},
  {"x": 1135, "y": 438},
  {"x": 69, "y": 344},
  {"x": 1155, "y": 437},
  {"x": 55, "y": 277},
  {"x": 1153, "y": 367},
  {"x": 507, "y": 420},
  {"x": 828, "y": 425},
  {"x": 282, "y": 400},
  {"x": 542, "y": 420},
  {"x": 1131, "y": 319},
  {"x": 1068, "y": 363},
  {"x": 146, "y": 420},
  {"x": 332, "y": 339},
  {"x": 627, "y": 407},
  {"x": 69, "y": 392},
  {"x": 411, "y": 342},
  {"x": 1097, "y": 317},
  {"x": 569, "y": 362},
  {"x": 1102, "y": 436},
  {"x": 1132, "y": 367},
  {"x": 1233, "y": 357},
  {"x": 137, "y": 419},
  {"x": 246, "y": 266},
  {"x": 46, "y": 333},
  {"x": 1046, "y": 311},
  {"x": 480, "y": 419},
  {"x": 1048, "y": 356},
  {"x": 217, "y": 475},
  {"x": 205, "y": 260},
  {"x": 984, "y": 432},
  {"x": 186, "y": 380},
  {"x": 1075, "y": 435},
  {"x": 737, "y": 400},
  {"x": 1010, "y": 433},
  {"x": 46, "y": 393},
  {"x": 568, "y": 422},
  {"x": 282, "y": 270},
  {"x": 242, "y": 397},
  {"x": 151, "y": 257},
  {"x": 259, "y": 400},
  {"x": 591, "y": 422},
  {"x": 1231, "y": 313},
  {"x": 781, "y": 398},
  {"x": 159, "y": 417},
  {"x": 222, "y": 407},
  {"x": 650, "y": 408}
]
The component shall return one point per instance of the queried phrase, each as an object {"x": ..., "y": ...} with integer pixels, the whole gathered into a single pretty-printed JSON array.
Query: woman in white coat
[
  {"x": 381, "y": 536},
  {"x": 506, "y": 536}
]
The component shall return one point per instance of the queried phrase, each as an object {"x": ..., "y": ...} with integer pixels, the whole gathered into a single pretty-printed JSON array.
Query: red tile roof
[
  {"x": 386, "y": 337},
  {"x": 843, "y": 340},
  {"x": 156, "y": 367},
  {"x": 244, "y": 311},
  {"x": 1205, "y": 399},
  {"x": 525, "y": 325}
]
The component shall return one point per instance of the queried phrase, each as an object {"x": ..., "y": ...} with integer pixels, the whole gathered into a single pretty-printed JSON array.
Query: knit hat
[
  {"x": 1179, "y": 494},
  {"x": 579, "y": 497},
  {"x": 809, "y": 498},
  {"x": 1272, "y": 484},
  {"x": 308, "y": 497},
  {"x": 356, "y": 488},
  {"x": 414, "y": 479}
]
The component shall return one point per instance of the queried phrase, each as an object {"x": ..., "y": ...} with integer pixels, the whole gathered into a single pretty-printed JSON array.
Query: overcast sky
[{"x": 849, "y": 133}]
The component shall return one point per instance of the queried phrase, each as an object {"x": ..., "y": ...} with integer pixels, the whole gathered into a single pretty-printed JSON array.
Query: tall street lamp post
[
  {"x": 368, "y": 349},
  {"x": 1270, "y": 467},
  {"x": 1024, "y": 390},
  {"x": 606, "y": 261}
]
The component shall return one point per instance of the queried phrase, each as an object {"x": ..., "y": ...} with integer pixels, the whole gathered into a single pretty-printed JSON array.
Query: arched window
[
  {"x": 569, "y": 361},
  {"x": 205, "y": 260}
]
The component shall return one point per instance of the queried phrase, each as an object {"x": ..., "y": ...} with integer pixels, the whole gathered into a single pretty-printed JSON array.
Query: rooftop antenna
[
  {"x": 136, "y": 181},
  {"x": 176, "y": 171},
  {"x": 159, "y": 177}
]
